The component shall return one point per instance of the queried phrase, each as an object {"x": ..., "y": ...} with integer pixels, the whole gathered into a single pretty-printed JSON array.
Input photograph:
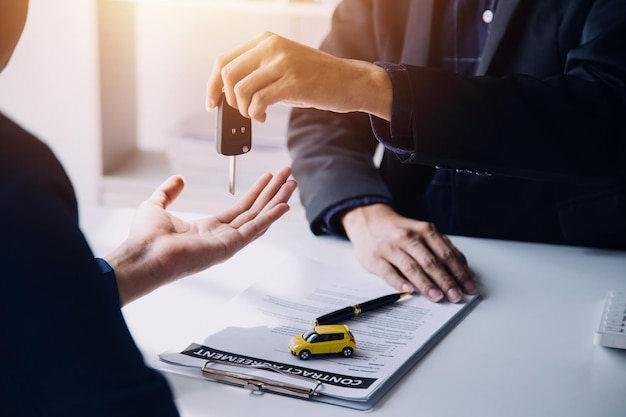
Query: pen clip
[{"x": 259, "y": 384}]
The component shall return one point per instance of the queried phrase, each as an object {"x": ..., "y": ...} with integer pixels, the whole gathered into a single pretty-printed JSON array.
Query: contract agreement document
[{"x": 259, "y": 323}]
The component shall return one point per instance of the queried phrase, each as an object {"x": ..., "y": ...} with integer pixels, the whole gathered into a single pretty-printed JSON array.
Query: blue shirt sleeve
[
  {"x": 109, "y": 276},
  {"x": 329, "y": 223},
  {"x": 105, "y": 268}
]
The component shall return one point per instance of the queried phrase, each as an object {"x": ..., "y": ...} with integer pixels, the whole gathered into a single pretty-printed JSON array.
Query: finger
[
  {"x": 253, "y": 226},
  {"x": 259, "y": 225},
  {"x": 282, "y": 196},
  {"x": 215, "y": 82},
  {"x": 431, "y": 271},
  {"x": 257, "y": 91},
  {"x": 234, "y": 75},
  {"x": 419, "y": 269},
  {"x": 460, "y": 256},
  {"x": 257, "y": 79},
  {"x": 247, "y": 76},
  {"x": 275, "y": 192},
  {"x": 246, "y": 202},
  {"x": 271, "y": 193},
  {"x": 278, "y": 207},
  {"x": 214, "y": 87},
  {"x": 272, "y": 92},
  {"x": 167, "y": 192},
  {"x": 453, "y": 260},
  {"x": 421, "y": 266},
  {"x": 382, "y": 268},
  {"x": 438, "y": 259}
]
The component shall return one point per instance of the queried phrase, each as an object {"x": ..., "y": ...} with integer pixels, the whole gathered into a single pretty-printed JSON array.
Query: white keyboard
[{"x": 612, "y": 330}]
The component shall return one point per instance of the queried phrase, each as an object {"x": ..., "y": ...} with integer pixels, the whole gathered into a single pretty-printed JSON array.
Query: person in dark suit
[
  {"x": 66, "y": 349},
  {"x": 499, "y": 119}
]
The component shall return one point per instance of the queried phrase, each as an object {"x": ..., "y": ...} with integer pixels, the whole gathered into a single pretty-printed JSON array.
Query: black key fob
[{"x": 234, "y": 132}]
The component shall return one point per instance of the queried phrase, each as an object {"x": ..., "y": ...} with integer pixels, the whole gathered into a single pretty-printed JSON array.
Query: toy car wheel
[
  {"x": 304, "y": 354},
  {"x": 346, "y": 352}
]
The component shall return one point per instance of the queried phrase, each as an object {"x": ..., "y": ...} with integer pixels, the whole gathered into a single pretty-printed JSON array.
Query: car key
[{"x": 233, "y": 136}]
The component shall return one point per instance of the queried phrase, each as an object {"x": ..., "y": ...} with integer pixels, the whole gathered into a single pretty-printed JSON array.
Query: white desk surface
[{"x": 526, "y": 350}]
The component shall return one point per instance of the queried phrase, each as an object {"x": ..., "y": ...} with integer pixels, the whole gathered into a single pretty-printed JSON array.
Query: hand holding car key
[{"x": 233, "y": 136}]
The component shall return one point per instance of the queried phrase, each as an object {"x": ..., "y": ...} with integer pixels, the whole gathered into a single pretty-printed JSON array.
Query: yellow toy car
[{"x": 329, "y": 338}]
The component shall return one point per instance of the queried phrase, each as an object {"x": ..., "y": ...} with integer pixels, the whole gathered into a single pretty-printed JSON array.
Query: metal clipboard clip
[{"x": 215, "y": 370}]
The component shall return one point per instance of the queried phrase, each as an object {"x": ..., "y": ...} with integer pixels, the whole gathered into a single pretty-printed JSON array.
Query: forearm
[
  {"x": 359, "y": 217},
  {"x": 371, "y": 89},
  {"x": 134, "y": 276}
]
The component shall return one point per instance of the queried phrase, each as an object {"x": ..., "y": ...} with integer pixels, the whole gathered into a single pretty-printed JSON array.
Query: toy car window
[
  {"x": 322, "y": 338},
  {"x": 310, "y": 336}
]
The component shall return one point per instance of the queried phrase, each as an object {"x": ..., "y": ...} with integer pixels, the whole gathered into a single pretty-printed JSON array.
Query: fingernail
[
  {"x": 454, "y": 296},
  {"x": 406, "y": 287},
  {"x": 435, "y": 295},
  {"x": 470, "y": 286}
]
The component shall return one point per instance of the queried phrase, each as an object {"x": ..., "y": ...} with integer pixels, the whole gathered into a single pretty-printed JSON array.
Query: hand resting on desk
[
  {"x": 162, "y": 248},
  {"x": 407, "y": 253}
]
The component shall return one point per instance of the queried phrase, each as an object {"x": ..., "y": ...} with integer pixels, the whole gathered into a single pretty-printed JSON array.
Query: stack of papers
[{"x": 261, "y": 321}]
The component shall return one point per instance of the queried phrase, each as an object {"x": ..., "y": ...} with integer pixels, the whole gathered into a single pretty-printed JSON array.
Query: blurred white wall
[{"x": 50, "y": 86}]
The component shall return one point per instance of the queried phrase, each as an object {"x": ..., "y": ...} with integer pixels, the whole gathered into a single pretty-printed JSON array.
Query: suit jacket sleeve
[
  {"x": 332, "y": 153},
  {"x": 550, "y": 107}
]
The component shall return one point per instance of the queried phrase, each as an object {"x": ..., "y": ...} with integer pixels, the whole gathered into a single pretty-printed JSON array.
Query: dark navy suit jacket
[
  {"x": 65, "y": 349},
  {"x": 533, "y": 149}
]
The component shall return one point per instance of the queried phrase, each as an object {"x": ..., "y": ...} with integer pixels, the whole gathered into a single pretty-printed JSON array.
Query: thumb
[{"x": 167, "y": 192}]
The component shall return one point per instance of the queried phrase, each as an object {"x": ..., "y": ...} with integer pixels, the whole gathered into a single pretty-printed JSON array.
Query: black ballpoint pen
[{"x": 357, "y": 309}]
